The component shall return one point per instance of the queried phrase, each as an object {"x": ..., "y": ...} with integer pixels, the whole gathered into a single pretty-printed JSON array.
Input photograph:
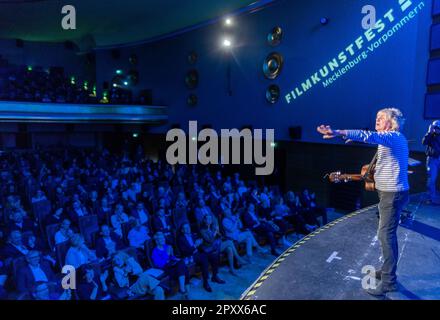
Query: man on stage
[
  {"x": 432, "y": 142},
  {"x": 391, "y": 180}
]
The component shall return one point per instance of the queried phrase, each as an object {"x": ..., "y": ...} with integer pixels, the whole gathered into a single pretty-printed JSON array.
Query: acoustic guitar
[{"x": 366, "y": 175}]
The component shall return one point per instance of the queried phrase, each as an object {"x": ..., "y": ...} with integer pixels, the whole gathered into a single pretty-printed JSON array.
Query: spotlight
[
  {"x": 72, "y": 80},
  {"x": 273, "y": 144},
  {"x": 114, "y": 85},
  {"x": 125, "y": 83},
  {"x": 324, "y": 21},
  {"x": 29, "y": 68},
  {"x": 119, "y": 71},
  {"x": 135, "y": 135},
  {"x": 227, "y": 43},
  {"x": 228, "y": 21},
  {"x": 193, "y": 138}
]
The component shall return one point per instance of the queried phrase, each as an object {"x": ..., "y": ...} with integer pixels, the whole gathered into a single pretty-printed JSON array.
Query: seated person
[
  {"x": 163, "y": 258},
  {"x": 104, "y": 212},
  {"x": 78, "y": 253},
  {"x": 279, "y": 217},
  {"x": 34, "y": 243},
  {"x": 64, "y": 233},
  {"x": 57, "y": 217},
  {"x": 162, "y": 223},
  {"x": 261, "y": 227},
  {"x": 39, "y": 196},
  {"x": 211, "y": 236},
  {"x": 126, "y": 267},
  {"x": 189, "y": 248},
  {"x": 14, "y": 247},
  {"x": 233, "y": 230},
  {"x": 89, "y": 287},
  {"x": 118, "y": 219},
  {"x": 34, "y": 271},
  {"x": 141, "y": 214},
  {"x": 295, "y": 217},
  {"x": 108, "y": 243},
  {"x": 92, "y": 203},
  {"x": 138, "y": 234},
  {"x": 309, "y": 210},
  {"x": 201, "y": 210},
  {"x": 78, "y": 210},
  {"x": 19, "y": 221}
]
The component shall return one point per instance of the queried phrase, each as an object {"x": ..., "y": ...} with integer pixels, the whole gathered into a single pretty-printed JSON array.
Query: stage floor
[{"x": 328, "y": 263}]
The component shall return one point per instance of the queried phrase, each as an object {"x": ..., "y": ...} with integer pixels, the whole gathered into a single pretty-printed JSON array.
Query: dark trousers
[
  {"x": 176, "y": 269},
  {"x": 390, "y": 207},
  {"x": 265, "y": 230},
  {"x": 204, "y": 259}
]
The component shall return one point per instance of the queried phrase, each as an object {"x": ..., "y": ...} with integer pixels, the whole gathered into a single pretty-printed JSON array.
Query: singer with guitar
[{"x": 391, "y": 183}]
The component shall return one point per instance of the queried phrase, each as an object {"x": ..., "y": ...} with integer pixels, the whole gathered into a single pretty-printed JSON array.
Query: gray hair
[{"x": 396, "y": 117}]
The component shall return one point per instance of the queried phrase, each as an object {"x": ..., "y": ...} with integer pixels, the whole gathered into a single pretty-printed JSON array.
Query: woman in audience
[
  {"x": 211, "y": 237},
  {"x": 78, "y": 253},
  {"x": 129, "y": 275},
  {"x": 64, "y": 233},
  {"x": 118, "y": 219},
  {"x": 163, "y": 258},
  {"x": 233, "y": 230}
]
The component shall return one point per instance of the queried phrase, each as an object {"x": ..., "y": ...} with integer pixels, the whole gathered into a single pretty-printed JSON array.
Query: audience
[{"x": 198, "y": 216}]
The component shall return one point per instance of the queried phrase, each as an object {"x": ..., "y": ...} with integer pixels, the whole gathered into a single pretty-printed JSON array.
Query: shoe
[
  {"x": 381, "y": 289},
  {"x": 207, "y": 287},
  {"x": 216, "y": 279}
]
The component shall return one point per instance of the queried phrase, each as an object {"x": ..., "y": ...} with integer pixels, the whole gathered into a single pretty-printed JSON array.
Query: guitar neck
[{"x": 351, "y": 177}]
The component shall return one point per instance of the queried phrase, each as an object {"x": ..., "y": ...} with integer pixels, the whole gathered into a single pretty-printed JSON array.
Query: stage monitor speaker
[{"x": 295, "y": 133}]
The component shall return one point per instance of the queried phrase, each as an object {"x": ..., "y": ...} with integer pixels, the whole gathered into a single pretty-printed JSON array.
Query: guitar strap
[{"x": 370, "y": 166}]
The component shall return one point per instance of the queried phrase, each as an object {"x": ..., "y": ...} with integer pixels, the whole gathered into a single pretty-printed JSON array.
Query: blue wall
[{"x": 393, "y": 75}]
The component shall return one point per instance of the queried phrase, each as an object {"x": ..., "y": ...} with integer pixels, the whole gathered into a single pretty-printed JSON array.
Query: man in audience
[
  {"x": 252, "y": 221},
  {"x": 15, "y": 247},
  {"x": 108, "y": 243},
  {"x": 33, "y": 272}
]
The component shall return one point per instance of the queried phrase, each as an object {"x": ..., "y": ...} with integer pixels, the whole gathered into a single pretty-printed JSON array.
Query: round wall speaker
[
  {"x": 192, "y": 57},
  {"x": 273, "y": 65},
  {"x": 192, "y": 79},
  {"x": 272, "y": 93},
  {"x": 275, "y": 36},
  {"x": 192, "y": 100}
]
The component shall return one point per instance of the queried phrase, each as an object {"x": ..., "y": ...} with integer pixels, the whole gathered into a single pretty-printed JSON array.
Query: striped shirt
[{"x": 391, "y": 173}]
